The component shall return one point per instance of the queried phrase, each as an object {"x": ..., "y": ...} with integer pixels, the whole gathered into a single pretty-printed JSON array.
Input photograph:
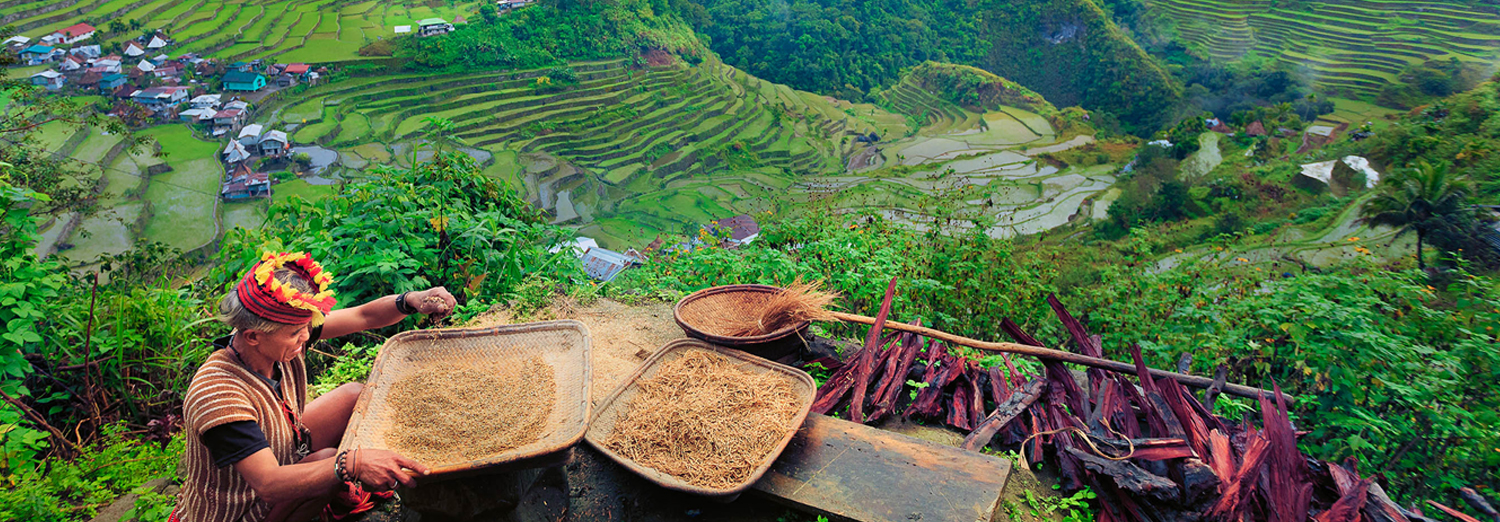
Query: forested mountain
[{"x": 1067, "y": 50}]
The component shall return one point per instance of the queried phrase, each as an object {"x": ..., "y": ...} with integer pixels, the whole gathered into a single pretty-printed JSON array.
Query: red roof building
[
  {"x": 296, "y": 68},
  {"x": 75, "y": 33}
]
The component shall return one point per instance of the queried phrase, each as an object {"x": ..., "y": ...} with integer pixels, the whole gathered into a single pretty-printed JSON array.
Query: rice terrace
[{"x": 1022, "y": 260}]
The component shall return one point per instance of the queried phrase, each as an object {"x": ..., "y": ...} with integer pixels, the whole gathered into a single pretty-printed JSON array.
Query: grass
[
  {"x": 302, "y": 189},
  {"x": 244, "y": 214}
]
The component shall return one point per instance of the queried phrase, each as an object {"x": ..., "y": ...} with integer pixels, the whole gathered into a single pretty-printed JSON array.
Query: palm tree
[{"x": 1424, "y": 199}]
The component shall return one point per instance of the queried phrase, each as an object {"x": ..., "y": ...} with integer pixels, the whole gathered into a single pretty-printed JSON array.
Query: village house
[
  {"x": 157, "y": 98},
  {"x": 238, "y": 104},
  {"x": 146, "y": 66},
  {"x": 72, "y": 34},
  {"x": 168, "y": 71},
  {"x": 70, "y": 63},
  {"x": 741, "y": 229},
  {"x": 52, "y": 80},
  {"x": 134, "y": 49},
  {"x": 241, "y": 67},
  {"x": 89, "y": 80},
  {"x": 243, "y": 81},
  {"x": 433, "y": 27},
  {"x": 511, "y": 5},
  {"x": 156, "y": 42},
  {"x": 245, "y": 183},
  {"x": 197, "y": 115},
  {"x": 292, "y": 74},
  {"x": 273, "y": 144},
  {"x": 111, "y": 81},
  {"x": 39, "y": 54},
  {"x": 402, "y": 29},
  {"x": 249, "y": 136},
  {"x": 206, "y": 101},
  {"x": 16, "y": 43},
  {"x": 235, "y": 152},
  {"x": 87, "y": 52}
]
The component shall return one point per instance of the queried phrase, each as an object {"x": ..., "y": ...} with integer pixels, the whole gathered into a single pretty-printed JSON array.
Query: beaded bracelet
[{"x": 340, "y": 471}]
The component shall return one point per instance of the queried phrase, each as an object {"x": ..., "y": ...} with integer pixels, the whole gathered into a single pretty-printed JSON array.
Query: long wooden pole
[{"x": 1059, "y": 355}]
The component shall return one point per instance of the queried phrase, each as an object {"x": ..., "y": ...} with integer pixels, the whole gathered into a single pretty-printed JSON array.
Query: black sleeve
[{"x": 231, "y": 442}]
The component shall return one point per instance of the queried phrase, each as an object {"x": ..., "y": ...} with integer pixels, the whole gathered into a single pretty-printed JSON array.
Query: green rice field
[{"x": 1351, "y": 49}]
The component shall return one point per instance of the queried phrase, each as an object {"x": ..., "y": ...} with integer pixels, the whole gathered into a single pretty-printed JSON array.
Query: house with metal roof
[
  {"x": 74, "y": 34},
  {"x": 52, "y": 80},
  {"x": 433, "y": 27},
  {"x": 244, "y": 81}
]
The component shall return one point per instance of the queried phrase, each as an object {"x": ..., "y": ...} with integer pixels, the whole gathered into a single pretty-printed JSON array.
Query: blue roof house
[
  {"x": 37, "y": 54},
  {"x": 109, "y": 82},
  {"x": 244, "y": 81}
]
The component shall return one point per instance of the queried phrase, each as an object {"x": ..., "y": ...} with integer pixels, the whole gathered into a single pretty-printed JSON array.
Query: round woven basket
[{"x": 697, "y": 315}]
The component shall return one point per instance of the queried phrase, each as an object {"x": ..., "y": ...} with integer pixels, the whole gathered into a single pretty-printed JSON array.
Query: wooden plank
[{"x": 852, "y": 471}]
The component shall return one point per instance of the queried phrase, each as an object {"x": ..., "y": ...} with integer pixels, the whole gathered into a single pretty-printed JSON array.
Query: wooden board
[{"x": 852, "y": 471}]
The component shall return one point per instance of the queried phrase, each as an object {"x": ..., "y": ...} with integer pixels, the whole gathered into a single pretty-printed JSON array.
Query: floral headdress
[{"x": 275, "y": 300}]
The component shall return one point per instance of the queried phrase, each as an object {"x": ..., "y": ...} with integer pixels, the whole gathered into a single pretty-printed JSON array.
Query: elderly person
[{"x": 256, "y": 449}]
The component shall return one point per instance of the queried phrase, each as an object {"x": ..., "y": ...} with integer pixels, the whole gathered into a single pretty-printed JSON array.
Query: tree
[
  {"x": 1425, "y": 199},
  {"x": 489, "y": 13}
]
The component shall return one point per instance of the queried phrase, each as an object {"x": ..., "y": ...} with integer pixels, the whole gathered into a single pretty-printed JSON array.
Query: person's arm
[
  {"x": 382, "y": 312},
  {"x": 378, "y": 470}
]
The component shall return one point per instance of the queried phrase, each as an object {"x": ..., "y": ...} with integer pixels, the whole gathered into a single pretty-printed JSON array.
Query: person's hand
[
  {"x": 381, "y": 470},
  {"x": 435, "y": 301}
]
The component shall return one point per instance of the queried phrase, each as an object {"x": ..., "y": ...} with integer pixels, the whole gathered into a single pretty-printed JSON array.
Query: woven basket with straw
[{"x": 563, "y": 345}]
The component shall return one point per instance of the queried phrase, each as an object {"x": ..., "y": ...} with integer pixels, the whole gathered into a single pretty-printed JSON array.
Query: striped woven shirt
[{"x": 224, "y": 391}]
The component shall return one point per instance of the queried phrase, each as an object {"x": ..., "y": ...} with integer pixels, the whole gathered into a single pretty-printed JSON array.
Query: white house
[
  {"x": 197, "y": 115},
  {"x": 85, "y": 51},
  {"x": 235, "y": 152},
  {"x": 74, "y": 34},
  {"x": 70, "y": 63},
  {"x": 156, "y": 43},
  {"x": 250, "y": 134},
  {"x": 16, "y": 40},
  {"x": 206, "y": 101},
  {"x": 133, "y": 49},
  {"x": 403, "y": 29},
  {"x": 237, "y": 104},
  {"x": 146, "y": 66}
]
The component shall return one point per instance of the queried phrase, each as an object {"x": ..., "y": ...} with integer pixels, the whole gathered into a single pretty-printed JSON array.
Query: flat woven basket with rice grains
[{"x": 562, "y": 346}]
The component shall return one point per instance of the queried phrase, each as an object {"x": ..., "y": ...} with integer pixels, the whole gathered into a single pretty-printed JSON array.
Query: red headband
[{"x": 261, "y": 293}]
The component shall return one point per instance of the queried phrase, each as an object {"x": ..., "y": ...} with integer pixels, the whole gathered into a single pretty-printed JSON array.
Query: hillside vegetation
[
  {"x": 553, "y": 33},
  {"x": 1067, "y": 50}
]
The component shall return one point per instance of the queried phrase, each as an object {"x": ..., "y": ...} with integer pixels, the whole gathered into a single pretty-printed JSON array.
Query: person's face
[{"x": 282, "y": 344}]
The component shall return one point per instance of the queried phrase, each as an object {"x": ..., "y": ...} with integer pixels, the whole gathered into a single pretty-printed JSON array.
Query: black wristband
[{"x": 402, "y": 306}]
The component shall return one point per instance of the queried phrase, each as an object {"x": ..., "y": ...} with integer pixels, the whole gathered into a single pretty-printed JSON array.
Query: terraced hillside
[
  {"x": 1351, "y": 48},
  {"x": 964, "y": 165},
  {"x": 141, "y": 196},
  {"x": 290, "y": 30},
  {"x": 625, "y": 153}
]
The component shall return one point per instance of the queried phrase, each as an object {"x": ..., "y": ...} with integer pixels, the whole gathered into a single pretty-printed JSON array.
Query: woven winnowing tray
[{"x": 563, "y": 345}]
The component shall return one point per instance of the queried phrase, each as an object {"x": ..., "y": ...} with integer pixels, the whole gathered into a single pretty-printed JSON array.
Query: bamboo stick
[{"x": 1059, "y": 355}]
